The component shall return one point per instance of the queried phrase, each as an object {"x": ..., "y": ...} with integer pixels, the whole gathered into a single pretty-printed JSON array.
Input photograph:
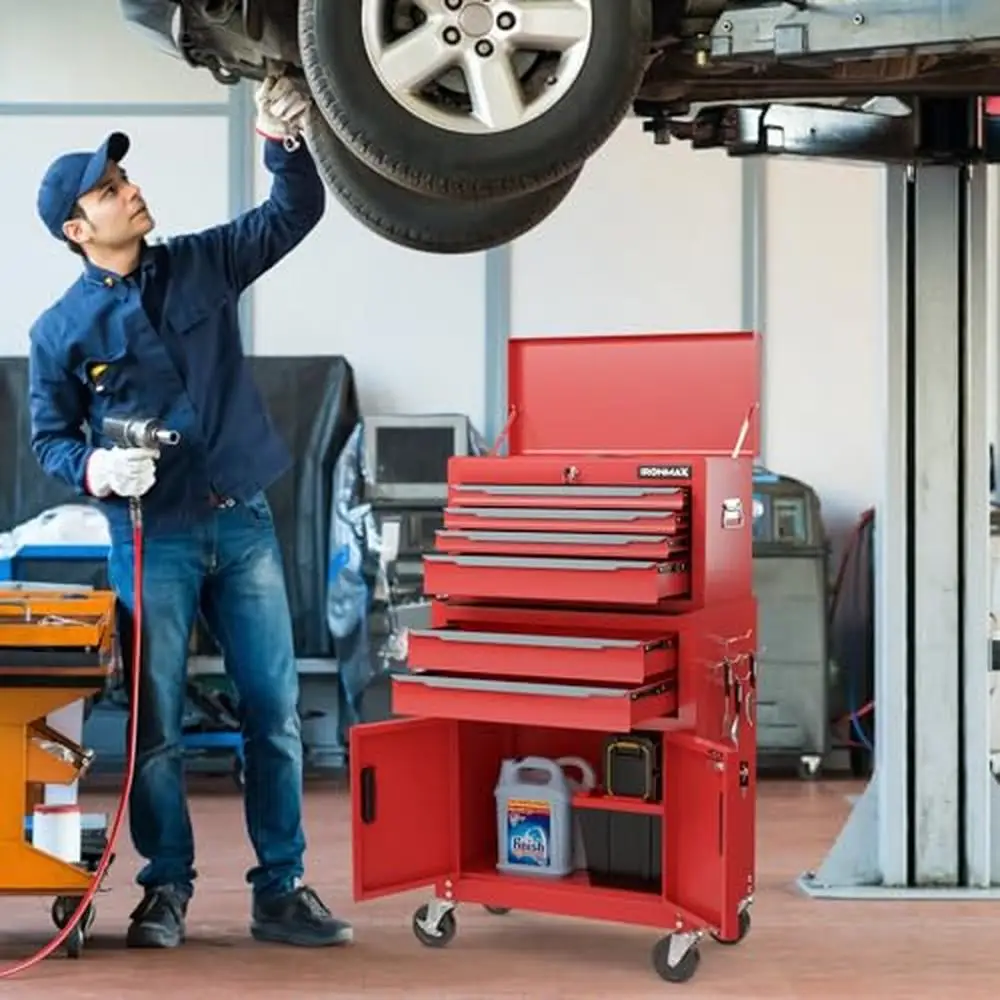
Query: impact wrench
[{"x": 124, "y": 433}]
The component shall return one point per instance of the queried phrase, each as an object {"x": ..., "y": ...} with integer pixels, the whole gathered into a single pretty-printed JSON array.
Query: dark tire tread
[{"x": 422, "y": 221}]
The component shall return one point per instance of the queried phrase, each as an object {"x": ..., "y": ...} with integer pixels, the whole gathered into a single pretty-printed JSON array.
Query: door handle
[{"x": 368, "y": 795}]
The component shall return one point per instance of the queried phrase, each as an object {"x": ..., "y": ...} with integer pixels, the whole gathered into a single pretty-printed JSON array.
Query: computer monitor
[{"x": 407, "y": 455}]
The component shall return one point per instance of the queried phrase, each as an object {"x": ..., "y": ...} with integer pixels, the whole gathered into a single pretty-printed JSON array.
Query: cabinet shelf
[
  {"x": 576, "y": 895},
  {"x": 616, "y": 803}
]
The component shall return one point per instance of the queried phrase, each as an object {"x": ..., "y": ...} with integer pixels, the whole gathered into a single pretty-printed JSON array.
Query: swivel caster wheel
[
  {"x": 74, "y": 943},
  {"x": 497, "y": 911},
  {"x": 676, "y": 957},
  {"x": 434, "y": 924},
  {"x": 63, "y": 909},
  {"x": 744, "y": 931}
]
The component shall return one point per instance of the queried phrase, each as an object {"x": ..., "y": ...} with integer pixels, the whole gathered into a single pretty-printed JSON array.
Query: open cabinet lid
[{"x": 669, "y": 393}]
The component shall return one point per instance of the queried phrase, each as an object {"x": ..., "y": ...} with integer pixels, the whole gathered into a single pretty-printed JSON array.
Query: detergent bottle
[{"x": 534, "y": 818}]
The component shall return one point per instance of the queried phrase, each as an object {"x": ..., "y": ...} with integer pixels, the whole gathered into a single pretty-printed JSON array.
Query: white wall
[
  {"x": 649, "y": 241},
  {"x": 824, "y": 298}
]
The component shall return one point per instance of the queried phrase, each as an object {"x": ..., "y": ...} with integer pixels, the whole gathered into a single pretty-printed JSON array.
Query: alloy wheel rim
[{"x": 477, "y": 67}]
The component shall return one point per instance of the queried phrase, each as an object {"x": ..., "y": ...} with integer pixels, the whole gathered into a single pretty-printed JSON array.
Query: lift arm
[
  {"x": 943, "y": 130},
  {"x": 801, "y": 30}
]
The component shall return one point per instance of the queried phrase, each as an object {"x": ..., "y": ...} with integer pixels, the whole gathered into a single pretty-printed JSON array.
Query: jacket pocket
[{"x": 105, "y": 372}]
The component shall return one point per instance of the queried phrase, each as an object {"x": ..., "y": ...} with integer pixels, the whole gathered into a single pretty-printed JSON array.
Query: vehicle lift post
[{"x": 927, "y": 823}]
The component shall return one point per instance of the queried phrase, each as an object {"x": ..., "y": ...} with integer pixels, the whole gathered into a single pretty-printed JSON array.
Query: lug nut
[
  {"x": 452, "y": 36},
  {"x": 484, "y": 48},
  {"x": 505, "y": 20}
]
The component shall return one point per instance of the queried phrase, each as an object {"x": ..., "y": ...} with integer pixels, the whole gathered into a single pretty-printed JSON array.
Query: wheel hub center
[{"x": 476, "y": 20}]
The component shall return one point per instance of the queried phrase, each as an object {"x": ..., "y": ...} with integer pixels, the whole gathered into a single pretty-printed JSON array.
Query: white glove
[
  {"x": 129, "y": 472},
  {"x": 281, "y": 110}
]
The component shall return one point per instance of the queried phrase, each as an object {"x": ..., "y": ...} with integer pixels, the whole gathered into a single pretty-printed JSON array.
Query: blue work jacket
[{"x": 164, "y": 342}]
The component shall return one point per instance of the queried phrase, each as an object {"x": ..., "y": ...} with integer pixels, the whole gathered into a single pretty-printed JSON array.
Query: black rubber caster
[
  {"x": 744, "y": 930},
  {"x": 497, "y": 911},
  {"x": 63, "y": 909},
  {"x": 683, "y": 970},
  {"x": 446, "y": 928},
  {"x": 74, "y": 943}
]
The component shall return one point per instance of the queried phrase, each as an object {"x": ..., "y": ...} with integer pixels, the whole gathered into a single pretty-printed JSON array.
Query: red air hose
[{"x": 95, "y": 885}]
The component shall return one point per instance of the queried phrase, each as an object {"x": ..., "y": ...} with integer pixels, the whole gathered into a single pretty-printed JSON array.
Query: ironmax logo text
[{"x": 664, "y": 471}]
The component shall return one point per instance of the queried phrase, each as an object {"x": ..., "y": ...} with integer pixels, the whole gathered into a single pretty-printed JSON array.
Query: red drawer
[
  {"x": 597, "y": 581},
  {"x": 665, "y": 522},
  {"x": 589, "y": 545},
  {"x": 606, "y": 709},
  {"x": 637, "y": 497},
  {"x": 545, "y": 657}
]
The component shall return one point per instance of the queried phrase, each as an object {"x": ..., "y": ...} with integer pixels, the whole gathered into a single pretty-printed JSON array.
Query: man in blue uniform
[{"x": 151, "y": 331}]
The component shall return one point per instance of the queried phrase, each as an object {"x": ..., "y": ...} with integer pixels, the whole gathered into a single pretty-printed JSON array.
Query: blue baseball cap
[{"x": 73, "y": 175}]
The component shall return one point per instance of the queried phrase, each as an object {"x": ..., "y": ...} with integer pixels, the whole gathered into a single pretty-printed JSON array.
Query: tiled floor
[{"x": 798, "y": 948}]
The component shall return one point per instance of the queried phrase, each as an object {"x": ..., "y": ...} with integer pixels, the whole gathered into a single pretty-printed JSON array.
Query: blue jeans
[{"x": 230, "y": 566}]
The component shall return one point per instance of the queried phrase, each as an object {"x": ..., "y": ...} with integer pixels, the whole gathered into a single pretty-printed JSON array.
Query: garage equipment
[
  {"x": 56, "y": 647},
  {"x": 790, "y": 582},
  {"x": 927, "y": 822},
  {"x": 593, "y": 582},
  {"x": 406, "y": 465},
  {"x": 211, "y": 728}
]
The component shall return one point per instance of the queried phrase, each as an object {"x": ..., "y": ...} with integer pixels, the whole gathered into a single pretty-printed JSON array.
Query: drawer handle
[
  {"x": 546, "y": 562},
  {"x": 367, "y": 795},
  {"x": 654, "y": 689},
  {"x": 672, "y": 567},
  {"x": 540, "y": 490},
  {"x": 522, "y": 639}
]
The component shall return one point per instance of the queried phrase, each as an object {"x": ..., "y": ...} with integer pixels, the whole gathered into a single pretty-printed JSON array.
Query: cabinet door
[
  {"x": 695, "y": 843},
  {"x": 403, "y": 804}
]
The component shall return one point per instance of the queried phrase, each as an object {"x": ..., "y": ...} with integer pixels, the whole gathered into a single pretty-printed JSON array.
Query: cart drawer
[
  {"x": 673, "y": 498},
  {"x": 598, "y": 581},
  {"x": 663, "y": 522},
  {"x": 607, "y": 709},
  {"x": 545, "y": 657},
  {"x": 592, "y": 545}
]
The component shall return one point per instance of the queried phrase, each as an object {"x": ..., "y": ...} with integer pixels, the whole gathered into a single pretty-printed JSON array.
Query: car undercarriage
[{"x": 470, "y": 101}]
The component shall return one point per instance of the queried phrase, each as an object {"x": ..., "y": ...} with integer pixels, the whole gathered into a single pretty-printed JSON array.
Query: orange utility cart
[
  {"x": 56, "y": 647},
  {"x": 591, "y": 598}
]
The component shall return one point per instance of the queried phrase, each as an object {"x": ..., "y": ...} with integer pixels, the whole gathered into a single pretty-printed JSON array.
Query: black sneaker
[
  {"x": 298, "y": 918},
  {"x": 158, "y": 920}
]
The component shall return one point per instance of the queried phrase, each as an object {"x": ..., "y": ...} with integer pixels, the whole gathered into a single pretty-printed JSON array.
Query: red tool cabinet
[{"x": 594, "y": 581}]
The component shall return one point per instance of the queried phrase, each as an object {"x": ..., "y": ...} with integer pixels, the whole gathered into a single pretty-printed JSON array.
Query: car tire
[
  {"x": 421, "y": 221},
  {"x": 438, "y": 160}
]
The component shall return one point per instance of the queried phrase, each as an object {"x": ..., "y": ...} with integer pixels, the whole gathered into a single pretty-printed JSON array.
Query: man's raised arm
[{"x": 256, "y": 240}]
